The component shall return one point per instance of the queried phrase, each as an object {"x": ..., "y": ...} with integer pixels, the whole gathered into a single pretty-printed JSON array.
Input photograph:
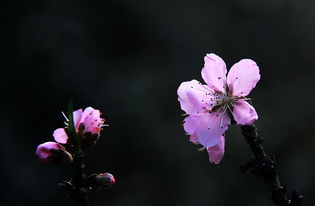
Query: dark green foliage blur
[{"x": 127, "y": 58}]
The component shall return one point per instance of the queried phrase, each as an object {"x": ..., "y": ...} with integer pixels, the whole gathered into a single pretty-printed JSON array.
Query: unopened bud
[
  {"x": 53, "y": 153},
  {"x": 104, "y": 180}
]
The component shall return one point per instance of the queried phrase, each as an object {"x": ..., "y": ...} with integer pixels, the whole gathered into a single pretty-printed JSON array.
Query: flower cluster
[
  {"x": 212, "y": 107},
  {"x": 82, "y": 131},
  {"x": 88, "y": 125}
]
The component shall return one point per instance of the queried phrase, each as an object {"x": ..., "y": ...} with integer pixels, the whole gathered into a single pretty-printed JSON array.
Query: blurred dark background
[{"x": 127, "y": 58}]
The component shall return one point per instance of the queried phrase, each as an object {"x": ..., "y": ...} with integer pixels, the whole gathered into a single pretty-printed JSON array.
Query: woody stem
[
  {"x": 78, "y": 187},
  {"x": 262, "y": 165},
  {"x": 80, "y": 182}
]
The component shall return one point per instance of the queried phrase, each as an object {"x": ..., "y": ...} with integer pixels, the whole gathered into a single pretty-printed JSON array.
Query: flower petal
[
  {"x": 194, "y": 97},
  {"x": 60, "y": 136},
  {"x": 92, "y": 120},
  {"x": 214, "y": 72},
  {"x": 190, "y": 124},
  {"x": 216, "y": 152},
  {"x": 244, "y": 113},
  {"x": 77, "y": 118},
  {"x": 243, "y": 77},
  {"x": 211, "y": 126}
]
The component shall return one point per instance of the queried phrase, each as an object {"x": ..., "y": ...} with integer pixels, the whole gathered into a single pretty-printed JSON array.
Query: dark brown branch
[
  {"x": 262, "y": 165},
  {"x": 78, "y": 187}
]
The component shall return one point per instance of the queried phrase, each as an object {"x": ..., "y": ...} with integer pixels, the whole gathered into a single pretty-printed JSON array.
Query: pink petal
[
  {"x": 86, "y": 113},
  {"x": 77, "y": 118},
  {"x": 244, "y": 113},
  {"x": 216, "y": 152},
  {"x": 211, "y": 126},
  {"x": 190, "y": 124},
  {"x": 243, "y": 77},
  {"x": 92, "y": 120},
  {"x": 214, "y": 72},
  {"x": 60, "y": 136},
  {"x": 194, "y": 97}
]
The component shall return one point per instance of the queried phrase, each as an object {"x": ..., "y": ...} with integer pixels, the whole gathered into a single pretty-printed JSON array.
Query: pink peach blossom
[
  {"x": 53, "y": 153},
  {"x": 210, "y": 107},
  {"x": 86, "y": 123}
]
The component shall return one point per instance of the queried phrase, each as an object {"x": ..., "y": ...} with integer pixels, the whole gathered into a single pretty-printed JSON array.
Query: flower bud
[
  {"x": 103, "y": 180},
  {"x": 53, "y": 153}
]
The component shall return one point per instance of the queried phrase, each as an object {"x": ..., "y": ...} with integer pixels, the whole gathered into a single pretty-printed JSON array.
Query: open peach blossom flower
[
  {"x": 87, "y": 123},
  {"x": 210, "y": 107}
]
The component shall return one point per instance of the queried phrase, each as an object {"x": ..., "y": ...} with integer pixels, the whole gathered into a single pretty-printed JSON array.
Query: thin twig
[{"x": 262, "y": 165}]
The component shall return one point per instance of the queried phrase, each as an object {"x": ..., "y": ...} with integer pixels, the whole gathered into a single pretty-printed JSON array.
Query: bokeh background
[{"x": 127, "y": 58}]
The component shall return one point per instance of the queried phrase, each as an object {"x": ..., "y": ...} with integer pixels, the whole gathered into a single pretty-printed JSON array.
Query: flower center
[{"x": 224, "y": 102}]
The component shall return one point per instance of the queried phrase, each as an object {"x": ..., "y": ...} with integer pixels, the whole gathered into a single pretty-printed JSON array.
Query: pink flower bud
[
  {"x": 53, "y": 153},
  {"x": 105, "y": 180}
]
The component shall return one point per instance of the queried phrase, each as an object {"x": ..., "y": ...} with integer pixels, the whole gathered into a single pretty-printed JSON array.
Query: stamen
[
  {"x": 230, "y": 109},
  {"x": 216, "y": 115},
  {"x": 221, "y": 122},
  {"x": 236, "y": 78}
]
